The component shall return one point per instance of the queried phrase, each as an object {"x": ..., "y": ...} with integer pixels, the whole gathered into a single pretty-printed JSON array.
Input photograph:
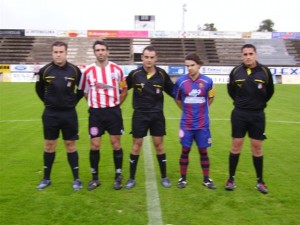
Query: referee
[
  {"x": 251, "y": 87},
  {"x": 148, "y": 84},
  {"x": 56, "y": 87}
]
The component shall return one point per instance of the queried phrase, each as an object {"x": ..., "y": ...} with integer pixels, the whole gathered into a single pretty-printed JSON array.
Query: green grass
[{"x": 21, "y": 149}]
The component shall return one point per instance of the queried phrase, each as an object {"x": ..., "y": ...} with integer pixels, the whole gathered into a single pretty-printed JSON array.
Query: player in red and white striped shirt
[
  {"x": 102, "y": 84},
  {"x": 105, "y": 89}
]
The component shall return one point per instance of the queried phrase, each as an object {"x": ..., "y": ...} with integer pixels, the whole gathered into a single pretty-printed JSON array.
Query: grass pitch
[{"x": 21, "y": 149}]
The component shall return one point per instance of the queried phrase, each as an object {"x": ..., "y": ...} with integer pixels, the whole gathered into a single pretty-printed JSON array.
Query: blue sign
[{"x": 176, "y": 70}]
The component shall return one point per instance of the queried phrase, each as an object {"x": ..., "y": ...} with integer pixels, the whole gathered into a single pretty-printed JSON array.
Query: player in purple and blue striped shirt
[{"x": 194, "y": 92}]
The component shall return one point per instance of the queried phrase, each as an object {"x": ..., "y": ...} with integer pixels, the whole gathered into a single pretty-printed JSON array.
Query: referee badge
[
  {"x": 69, "y": 84},
  {"x": 259, "y": 86},
  {"x": 157, "y": 90}
]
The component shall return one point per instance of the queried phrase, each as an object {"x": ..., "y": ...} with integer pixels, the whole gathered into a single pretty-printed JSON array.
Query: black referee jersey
[
  {"x": 148, "y": 93},
  {"x": 250, "y": 92},
  {"x": 57, "y": 86}
]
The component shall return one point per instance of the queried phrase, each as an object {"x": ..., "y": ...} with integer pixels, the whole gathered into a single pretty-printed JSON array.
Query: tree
[
  {"x": 266, "y": 26},
  {"x": 208, "y": 27}
]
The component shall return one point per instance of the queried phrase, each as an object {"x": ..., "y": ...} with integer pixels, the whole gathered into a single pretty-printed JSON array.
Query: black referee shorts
[
  {"x": 144, "y": 121},
  {"x": 55, "y": 120},
  {"x": 253, "y": 122},
  {"x": 105, "y": 119}
]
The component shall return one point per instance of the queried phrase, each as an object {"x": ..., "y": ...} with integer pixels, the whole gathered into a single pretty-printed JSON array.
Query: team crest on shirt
[
  {"x": 201, "y": 85},
  {"x": 259, "y": 86}
]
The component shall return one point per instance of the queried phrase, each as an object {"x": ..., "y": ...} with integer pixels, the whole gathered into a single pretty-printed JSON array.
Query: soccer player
[
  {"x": 251, "y": 87},
  {"x": 56, "y": 87},
  {"x": 194, "y": 93},
  {"x": 104, "y": 86},
  {"x": 148, "y": 84}
]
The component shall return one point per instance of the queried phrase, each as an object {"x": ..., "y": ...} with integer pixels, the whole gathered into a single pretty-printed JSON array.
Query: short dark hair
[
  {"x": 248, "y": 46},
  {"x": 59, "y": 43},
  {"x": 150, "y": 48},
  {"x": 194, "y": 57},
  {"x": 98, "y": 42}
]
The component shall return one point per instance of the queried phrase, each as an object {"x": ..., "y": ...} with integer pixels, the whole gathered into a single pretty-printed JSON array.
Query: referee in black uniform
[
  {"x": 57, "y": 88},
  {"x": 251, "y": 87},
  {"x": 148, "y": 84}
]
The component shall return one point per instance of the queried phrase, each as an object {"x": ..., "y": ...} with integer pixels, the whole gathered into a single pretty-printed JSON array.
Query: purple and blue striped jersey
[{"x": 194, "y": 95}]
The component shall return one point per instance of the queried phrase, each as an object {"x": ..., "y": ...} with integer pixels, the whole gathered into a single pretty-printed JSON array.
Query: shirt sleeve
[
  {"x": 270, "y": 85},
  {"x": 169, "y": 85},
  {"x": 176, "y": 92},
  {"x": 230, "y": 86},
  {"x": 40, "y": 85},
  {"x": 129, "y": 80},
  {"x": 79, "y": 92}
]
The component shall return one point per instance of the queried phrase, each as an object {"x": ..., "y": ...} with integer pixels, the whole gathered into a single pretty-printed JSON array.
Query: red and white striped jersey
[{"x": 102, "y": 84}]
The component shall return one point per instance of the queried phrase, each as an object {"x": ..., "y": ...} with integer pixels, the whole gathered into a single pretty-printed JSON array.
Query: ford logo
[{"x": 20, "y": 67}]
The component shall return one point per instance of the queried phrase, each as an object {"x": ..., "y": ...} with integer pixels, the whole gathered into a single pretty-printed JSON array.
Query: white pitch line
[{"x": 153, "y": 202}]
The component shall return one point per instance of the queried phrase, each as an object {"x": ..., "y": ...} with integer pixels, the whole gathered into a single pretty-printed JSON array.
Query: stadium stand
[
  {"x": 293, "y": 48},
  {"x": 229, "y": 51},
  {"x": 273, "y": 52},
  {"x": 41, "y": 50},
  {"x": 171, "y": 51},
  {"x": 31, "y": 50},
  {"x": 81, "y": 50},
  {"x": 138, "y": 45},
  {"x": 15, "y": 49}
]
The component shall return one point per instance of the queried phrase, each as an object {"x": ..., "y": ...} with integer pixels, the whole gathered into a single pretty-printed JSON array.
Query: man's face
[
  {"x": 101, "y": 53},
  {"x": 59, "y": 55},
  {"x": 249, "y": 57},
  {"x": 192, "y": 67},
  {"x": 149, "y": 58}
]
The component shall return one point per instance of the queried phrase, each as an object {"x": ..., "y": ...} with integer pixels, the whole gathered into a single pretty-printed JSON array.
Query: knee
[
  {"x": 70, "y": 146},
  {"x": 136, "y": 149},
  {"x": 159, "y": 149},
  {"x": 95, "y": 144},
  {"x": 116, "y": 144},
  {"x": 50, "y": 146}
]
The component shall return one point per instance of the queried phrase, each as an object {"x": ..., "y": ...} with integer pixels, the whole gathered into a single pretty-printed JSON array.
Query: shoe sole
[
  {"x": 209, "y": 187},
  {"x": 42, "y": 188},
  {"x": 166, "y": 186},
  {"x": 92, "y": 186},
  {"x": 118, "y": 187},
  {"x": 129, "y": 187},
  {"x": 262, "y": 191},
  {"x": 77, "y": 188},
  {"x": 230, "y": 188},
  {"x": 181, "y": 187}
]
